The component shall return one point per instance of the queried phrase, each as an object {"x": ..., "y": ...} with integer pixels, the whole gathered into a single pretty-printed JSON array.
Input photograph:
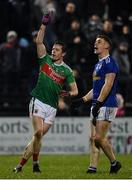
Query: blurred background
[{"x": 77, "y": 23}]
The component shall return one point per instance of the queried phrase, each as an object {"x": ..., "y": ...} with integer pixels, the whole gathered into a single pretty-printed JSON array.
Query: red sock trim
[
  {"x": 23, "y": 161},
  {"x": 35, "y": 156}
]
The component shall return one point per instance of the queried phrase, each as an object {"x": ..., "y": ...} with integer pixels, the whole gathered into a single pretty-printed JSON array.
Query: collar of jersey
[
  {"x": 104, "y": 57},
  {"x": 59, "y": 64}
]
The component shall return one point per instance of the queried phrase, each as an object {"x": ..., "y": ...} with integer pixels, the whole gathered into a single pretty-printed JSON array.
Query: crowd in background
[{"x": 75, "y": 22}]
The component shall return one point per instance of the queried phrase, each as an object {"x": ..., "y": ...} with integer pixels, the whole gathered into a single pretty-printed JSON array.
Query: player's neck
[
  {"x": 59, "y": 62},
  {"x": 103, "y": 55}
]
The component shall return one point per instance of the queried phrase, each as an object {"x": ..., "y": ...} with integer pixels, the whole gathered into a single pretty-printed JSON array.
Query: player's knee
[
  {"x": 38, "y": 134},
  {"x": 97, "y": 141},
  {"x": 92, "y": 139}
]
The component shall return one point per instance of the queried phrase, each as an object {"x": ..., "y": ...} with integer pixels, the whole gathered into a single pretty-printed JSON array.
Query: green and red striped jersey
[{"x": 51, "y": 79}]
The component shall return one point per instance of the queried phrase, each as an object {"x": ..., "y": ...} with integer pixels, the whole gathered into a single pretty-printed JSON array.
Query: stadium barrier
[{"x": 67, "y": 135}]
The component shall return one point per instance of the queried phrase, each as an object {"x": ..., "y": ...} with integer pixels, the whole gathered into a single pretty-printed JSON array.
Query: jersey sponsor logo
[{"x": 52, "y": 74}]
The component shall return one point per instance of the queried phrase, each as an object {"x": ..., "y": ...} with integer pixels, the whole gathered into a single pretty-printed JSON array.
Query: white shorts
[
  {"x": 40, "y": 109},
  {"x": 105, "y": 113}
]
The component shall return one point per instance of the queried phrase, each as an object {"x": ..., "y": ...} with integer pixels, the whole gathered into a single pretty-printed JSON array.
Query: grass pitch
[{"x": 65, "y": 167}]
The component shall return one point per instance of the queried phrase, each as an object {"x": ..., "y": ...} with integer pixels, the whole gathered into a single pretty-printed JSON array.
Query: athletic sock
[
  {"x": 22, "y": 162},
  {"x": 35, "y": 157},
  {"x": 113, "y": 163}
]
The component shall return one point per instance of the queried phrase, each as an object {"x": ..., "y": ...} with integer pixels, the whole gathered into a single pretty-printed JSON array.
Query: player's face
[
  {"x": 57, "y": 53},
  {"x": 100, "y": 46}
]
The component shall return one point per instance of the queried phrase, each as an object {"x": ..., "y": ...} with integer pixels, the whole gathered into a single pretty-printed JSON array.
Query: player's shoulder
[
  {"x": 45, "y": 56},
  {"x": 110, "y": 63},
  {"x": 110, "y": 60},
  {"x": 67, "y": 67}
]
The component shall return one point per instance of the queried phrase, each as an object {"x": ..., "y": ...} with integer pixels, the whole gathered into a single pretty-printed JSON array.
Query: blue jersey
[{"x": 103, "y": 67}]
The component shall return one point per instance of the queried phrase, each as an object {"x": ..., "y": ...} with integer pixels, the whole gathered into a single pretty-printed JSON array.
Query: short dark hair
[
  {"x": 106, "y": 38},
  {"x": 62, "y": 44}
]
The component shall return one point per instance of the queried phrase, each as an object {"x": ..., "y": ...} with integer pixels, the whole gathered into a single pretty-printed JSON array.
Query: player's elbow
[{"x": 75, "y": 92}]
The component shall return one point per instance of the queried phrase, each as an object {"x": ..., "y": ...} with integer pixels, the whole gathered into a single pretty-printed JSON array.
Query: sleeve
[
  {"x": 70, "y": 77},
  {"x": 111, "y": 67},
  {"x": 43, "y": 59}
]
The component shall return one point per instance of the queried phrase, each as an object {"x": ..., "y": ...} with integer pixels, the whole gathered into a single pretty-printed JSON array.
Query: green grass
[{"x": 65, "y": 167}]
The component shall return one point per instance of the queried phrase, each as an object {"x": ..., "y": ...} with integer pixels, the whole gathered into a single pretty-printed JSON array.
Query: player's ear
[
  {"x": 107, "y": 46},
  {"x": 63, "y": 54}
]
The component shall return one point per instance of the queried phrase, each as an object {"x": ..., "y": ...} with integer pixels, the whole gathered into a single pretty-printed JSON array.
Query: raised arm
[{"x": 41, "y": 50}]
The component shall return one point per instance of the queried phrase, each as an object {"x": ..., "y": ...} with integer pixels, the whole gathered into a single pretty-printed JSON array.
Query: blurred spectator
[
  {"x": 65, "y": 19},
  {"x": 118, "y": 24},
  {"x": 75, "y": 42},
  {"x": 19, "y": 14},
  {"x": 24, "y": 71},
  {"x": 130, "y": 21},
  {"x": 125, "y": 77},
  {"x": 44, "y": 5},
  {"x": 32, "y": 63},
  {"x": 92, "y": 27},
  {"x": 10, "y": 62},
  {"x": 122, "y": 58},
  {"x": 126, "y": 35},
  {"x": 100, "y": 7},
  {"x": 39, "y": 7},
  {"x": 108, "y": 31},
  {"x": 121, "y": 110}
]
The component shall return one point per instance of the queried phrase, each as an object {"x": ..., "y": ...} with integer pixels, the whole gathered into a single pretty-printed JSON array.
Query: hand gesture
[{"x": 96, "y": 108}]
